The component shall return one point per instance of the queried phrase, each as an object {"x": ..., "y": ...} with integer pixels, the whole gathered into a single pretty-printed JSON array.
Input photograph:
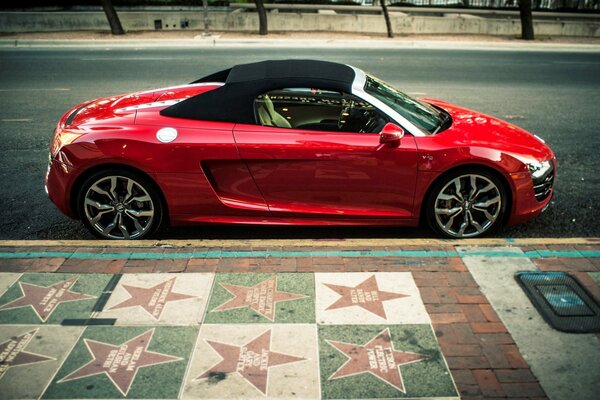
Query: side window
[{"x": 315, "y": 109}]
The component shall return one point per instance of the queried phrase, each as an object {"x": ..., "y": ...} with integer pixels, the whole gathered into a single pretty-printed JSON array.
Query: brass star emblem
[
  {"x": 13, "y": 354},
  {"x": 262, "y": 297},
  {"x": 154, "y": 299},
  {"x": 45, "y": 299},
  {"x": 365, "y": 295},
  {"x": 378, "y": 357},
  {"x": 251, "y": 361},
  {"x": 120, "y": 363}
]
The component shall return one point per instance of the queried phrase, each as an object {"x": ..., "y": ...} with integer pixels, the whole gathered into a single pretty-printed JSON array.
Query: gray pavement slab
[
  {"x": 292, "y": 370},
  {"x": 368, "y": 298},
  {"x": 567, "y": 365},
  {"x": 7, "y": 280},
  {"x": 160, "y": 299},
  {"x": 35, "y": 352}
]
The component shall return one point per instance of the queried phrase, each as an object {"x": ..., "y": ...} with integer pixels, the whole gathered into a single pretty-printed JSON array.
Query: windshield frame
[{"x": 358, "y": 89}]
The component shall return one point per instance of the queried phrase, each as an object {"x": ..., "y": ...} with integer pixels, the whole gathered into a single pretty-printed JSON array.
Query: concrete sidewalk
[
  {"x": 350, "y": 318},
  {"x": 195, "y": 39}
]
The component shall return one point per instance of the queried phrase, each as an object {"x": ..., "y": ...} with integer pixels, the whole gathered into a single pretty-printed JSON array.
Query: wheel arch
[
  {"x": 502, "y": 178},
  {"x": 76, "y": 188}
]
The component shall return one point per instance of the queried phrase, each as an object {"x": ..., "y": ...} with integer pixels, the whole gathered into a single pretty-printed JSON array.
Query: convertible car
[{"x": 295, "y": 142}]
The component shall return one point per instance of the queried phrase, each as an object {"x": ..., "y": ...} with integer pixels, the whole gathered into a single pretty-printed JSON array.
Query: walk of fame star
[
  {"x": 154, "y": 299},
  {"x": 378, "y": 357},
  {"x": 251, "y": 361},
  {"x": 365, "y": 295},
  {"x": 262, "y": 297},
  {"x": 12, "y": 352},
  {"x": 45, "y": 299},
  {"x": 120, "y": 363}
]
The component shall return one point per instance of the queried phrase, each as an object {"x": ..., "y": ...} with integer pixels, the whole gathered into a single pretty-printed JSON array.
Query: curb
[
  {"x": 298, "y": 43},
  {"x": 346, "y": 243}
]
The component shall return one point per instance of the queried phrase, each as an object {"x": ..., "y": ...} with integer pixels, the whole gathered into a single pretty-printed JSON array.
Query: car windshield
[{"x": 424, "y": 116}]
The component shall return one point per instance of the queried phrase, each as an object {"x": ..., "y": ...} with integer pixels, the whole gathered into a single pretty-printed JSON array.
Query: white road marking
[
  {"x": 127, "y": 59},
  {"x": 15, "y": 119},
  {"x": 576, "y": 62},
  {"x": 36, "y": 90}
]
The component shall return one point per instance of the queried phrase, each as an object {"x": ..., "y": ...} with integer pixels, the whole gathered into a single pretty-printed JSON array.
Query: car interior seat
[{"x": 268, "y": 116}]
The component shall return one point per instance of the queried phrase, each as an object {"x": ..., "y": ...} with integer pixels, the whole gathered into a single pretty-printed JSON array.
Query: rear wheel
[
  {"x": 118, "y": 204},
  {"x": 466, "y": 204}
]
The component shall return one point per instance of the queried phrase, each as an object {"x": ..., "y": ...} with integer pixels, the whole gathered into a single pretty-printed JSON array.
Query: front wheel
[
  {"x": 119, "y": 205},
  {"x": 466, "y": 204}
]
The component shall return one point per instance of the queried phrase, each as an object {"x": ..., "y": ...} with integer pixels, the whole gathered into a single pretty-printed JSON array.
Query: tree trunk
[
  {"x": 526, "y": 20},
  {"x": 262, "y": 17},
  {"x": 386, "y": 15},
  {"x": 113, "y": 19}
]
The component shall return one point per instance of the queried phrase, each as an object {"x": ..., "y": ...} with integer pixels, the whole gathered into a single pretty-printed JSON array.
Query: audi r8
[{"x": 295, "y": 142}]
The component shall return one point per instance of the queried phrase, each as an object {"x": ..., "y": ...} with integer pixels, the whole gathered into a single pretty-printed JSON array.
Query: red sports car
[{"x": 295, "y": 142}]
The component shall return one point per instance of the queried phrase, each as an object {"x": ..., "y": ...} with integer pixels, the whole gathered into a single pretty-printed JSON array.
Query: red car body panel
[
  {"x": 479, "y": 139},
  {"x": 337, "y": 175},
  {"x": 222, "y": 172}
]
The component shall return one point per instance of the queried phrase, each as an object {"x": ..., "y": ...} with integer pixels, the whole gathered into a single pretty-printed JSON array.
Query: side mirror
[{"x": 391, "y": 134}]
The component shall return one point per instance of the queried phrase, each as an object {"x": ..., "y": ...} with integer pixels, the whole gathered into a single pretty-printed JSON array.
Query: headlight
[{"x": 538, "y": 169}]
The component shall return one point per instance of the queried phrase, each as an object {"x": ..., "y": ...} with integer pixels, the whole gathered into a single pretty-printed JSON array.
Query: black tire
[
  {"x": 447, "y": 212},
  {"x": 135, "y": 212}
]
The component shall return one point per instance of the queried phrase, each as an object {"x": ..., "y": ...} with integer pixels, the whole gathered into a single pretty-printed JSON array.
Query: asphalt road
[{"x": 553, "y": 94}]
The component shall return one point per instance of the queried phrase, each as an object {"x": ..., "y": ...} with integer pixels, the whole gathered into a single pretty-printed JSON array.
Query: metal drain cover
[{"x": 561, "y": 300}]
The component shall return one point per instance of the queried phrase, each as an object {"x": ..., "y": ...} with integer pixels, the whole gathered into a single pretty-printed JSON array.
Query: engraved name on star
[
  {"x": 251, "y": 361},
  {"x": 365, "y": 295},
  {"x": 378, "y": 357},
  {"x": 154, "y": 299},
  {"x": 13, "y": 354},
  {"x": 120, "y": 363},
  {"x": 262, "y": 297},
  {"x": 45, "y": 299}
]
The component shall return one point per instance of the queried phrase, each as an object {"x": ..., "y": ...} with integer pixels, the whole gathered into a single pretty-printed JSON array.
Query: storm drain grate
[{"x": 561, "y": 300}]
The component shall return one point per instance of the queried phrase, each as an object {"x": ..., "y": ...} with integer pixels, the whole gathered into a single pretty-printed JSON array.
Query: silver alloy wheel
[
  {"x": 467, "y": 206},
  {"x": 118, "y": 207}
]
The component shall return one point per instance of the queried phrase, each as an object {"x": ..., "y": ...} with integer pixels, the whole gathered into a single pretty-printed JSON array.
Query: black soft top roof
[{"x": 234, "y": 101}]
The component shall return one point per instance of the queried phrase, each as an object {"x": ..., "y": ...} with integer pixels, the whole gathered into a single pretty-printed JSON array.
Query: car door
[
  {"x": 200, "y": 168},
  {"x": 325, "y": 170}
]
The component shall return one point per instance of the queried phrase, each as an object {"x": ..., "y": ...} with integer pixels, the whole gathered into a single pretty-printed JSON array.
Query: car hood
[{"x": 471, "y": 128}]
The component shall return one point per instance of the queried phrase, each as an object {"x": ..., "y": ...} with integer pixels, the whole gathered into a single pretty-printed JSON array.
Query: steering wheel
[{"x": 369, "y": 127}]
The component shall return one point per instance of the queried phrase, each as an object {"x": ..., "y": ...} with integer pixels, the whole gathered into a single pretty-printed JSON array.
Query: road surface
[{"x": 553, "y": 94}]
